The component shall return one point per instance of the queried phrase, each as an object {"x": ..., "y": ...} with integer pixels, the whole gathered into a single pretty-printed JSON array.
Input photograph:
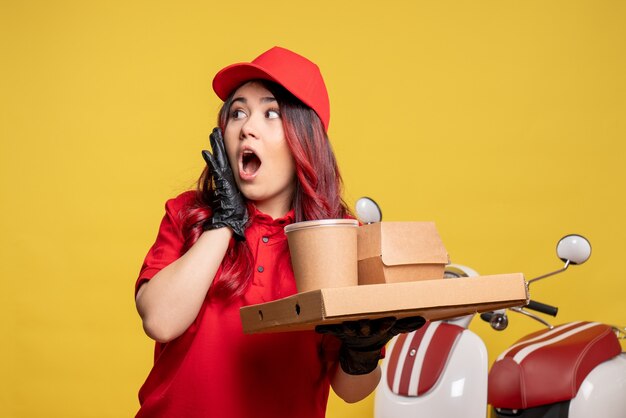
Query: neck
[{"x": 273, "y": 208}]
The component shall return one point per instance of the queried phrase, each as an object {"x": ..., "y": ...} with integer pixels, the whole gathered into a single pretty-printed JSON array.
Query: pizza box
[{"x": 433, "y": 299}]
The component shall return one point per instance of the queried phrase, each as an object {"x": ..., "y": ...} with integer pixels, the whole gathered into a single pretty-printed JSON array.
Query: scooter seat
[
  {"x": 549, "y": 366},
  {"x": 418, "y": 358}
]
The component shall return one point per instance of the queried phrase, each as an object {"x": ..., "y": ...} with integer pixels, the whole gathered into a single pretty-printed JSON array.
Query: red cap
[{"x": 298, "y": 75}]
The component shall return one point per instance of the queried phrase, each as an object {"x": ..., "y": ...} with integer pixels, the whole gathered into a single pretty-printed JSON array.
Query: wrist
[
  {"x": 358, "y": 362},
  {"x": 213, "y": 224},
  {"x": 222, "y": 230}
]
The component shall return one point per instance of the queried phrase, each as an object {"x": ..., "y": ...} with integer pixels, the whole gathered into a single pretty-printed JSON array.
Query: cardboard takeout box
[
  {"x": 393, "y": 252},
  {"x": 432, "y": 299}
]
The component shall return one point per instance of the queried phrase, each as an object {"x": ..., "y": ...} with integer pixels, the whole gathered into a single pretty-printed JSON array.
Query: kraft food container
[
  {"x": 394, "y": 252},
  {"x": 323, "y": 253}
]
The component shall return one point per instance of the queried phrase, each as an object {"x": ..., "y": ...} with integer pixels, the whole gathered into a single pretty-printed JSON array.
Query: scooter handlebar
[
  {"x": 542, "y": 307},
  {"x": 486, "y": 316}
]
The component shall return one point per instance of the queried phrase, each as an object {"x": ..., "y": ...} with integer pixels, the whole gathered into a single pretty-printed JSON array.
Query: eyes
[
  {"x": 239, "y": 113},
  {"x": 272, "y": 114}
]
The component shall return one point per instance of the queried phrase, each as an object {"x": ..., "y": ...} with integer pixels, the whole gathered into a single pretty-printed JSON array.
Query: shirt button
[
  {"x": 260, "y": 269},
  {"x": 266, "y": 240}
]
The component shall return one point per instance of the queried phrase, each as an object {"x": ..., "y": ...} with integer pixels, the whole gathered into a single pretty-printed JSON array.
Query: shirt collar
[{"x": 266, "y": 219}]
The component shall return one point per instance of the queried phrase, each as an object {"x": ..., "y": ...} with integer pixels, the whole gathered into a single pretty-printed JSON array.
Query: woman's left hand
[{"x": 363, "y": 340}]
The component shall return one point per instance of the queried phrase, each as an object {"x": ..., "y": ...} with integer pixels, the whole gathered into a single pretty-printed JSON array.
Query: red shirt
[{"x": 214, "y": 369}]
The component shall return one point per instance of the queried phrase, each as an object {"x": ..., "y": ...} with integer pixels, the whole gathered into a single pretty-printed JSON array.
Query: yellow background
[{"x": 502, "y": 121}]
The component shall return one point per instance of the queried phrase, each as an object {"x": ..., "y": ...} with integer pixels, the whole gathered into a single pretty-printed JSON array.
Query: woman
[{"x": 223, "y": 247}]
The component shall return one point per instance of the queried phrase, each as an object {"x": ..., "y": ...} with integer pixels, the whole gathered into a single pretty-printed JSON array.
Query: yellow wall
[{"x": 502, "y": 121}]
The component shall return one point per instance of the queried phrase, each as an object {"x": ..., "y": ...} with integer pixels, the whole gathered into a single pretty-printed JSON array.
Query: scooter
[
  {"x": 573, "y": 370},
  {"x": 441, "y": 370}
]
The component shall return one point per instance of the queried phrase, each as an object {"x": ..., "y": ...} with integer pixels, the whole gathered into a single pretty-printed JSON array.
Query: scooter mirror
[
  {"x": 368, "y": 211},
  {"x": 454, "y": 271},
  {"x": 573, "y": 248}
]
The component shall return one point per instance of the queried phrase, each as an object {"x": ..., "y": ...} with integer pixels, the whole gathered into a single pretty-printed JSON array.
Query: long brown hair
[{"x": 317, "y": 194}]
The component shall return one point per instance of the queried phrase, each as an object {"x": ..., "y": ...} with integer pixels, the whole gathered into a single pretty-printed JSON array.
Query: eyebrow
[{"x": 268, "y": 99}]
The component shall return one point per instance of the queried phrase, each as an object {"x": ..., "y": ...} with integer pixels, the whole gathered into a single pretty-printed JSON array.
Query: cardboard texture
[
  {"x": 323, "y": 253},
  {"x": 394, "y": 252},
  {"x": 432, "y": 299}
]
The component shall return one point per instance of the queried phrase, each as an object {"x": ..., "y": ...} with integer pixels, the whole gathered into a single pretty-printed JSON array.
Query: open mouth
[{"x": 250, "y": 162}]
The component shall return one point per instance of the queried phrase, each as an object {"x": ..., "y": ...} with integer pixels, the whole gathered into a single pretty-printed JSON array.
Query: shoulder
[
  {"x": 182, "y": 201},
  {"x": 182, "y": 206}
]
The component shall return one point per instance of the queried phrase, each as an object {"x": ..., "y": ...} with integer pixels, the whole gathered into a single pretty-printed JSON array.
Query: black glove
[
  {"x": 229, "y": 207},
  {"x": 363, "y": 340}
]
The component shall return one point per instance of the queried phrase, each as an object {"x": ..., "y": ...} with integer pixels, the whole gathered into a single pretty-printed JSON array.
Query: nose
[{"x": 249, "y": 129}]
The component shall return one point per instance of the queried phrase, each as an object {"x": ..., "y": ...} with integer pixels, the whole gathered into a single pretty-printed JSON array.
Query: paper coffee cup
[{"x": 323, "y": 253}]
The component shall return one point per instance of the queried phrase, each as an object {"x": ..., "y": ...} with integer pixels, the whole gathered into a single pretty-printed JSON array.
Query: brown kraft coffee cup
[{"x": 323, "y": 253}]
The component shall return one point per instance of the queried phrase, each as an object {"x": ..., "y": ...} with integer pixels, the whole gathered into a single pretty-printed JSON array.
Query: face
[{"x": 257, "y": 149}]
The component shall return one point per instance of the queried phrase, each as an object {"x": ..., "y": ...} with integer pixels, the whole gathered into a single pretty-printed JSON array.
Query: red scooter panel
[{"x": 418, "y": 358}]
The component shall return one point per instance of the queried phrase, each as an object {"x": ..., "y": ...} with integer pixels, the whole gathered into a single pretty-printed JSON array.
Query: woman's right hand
[{"x": 229, "y": 207}]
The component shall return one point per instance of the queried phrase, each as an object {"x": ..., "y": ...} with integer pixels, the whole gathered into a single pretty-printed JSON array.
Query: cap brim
[{"x": 233, "y": 76}]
